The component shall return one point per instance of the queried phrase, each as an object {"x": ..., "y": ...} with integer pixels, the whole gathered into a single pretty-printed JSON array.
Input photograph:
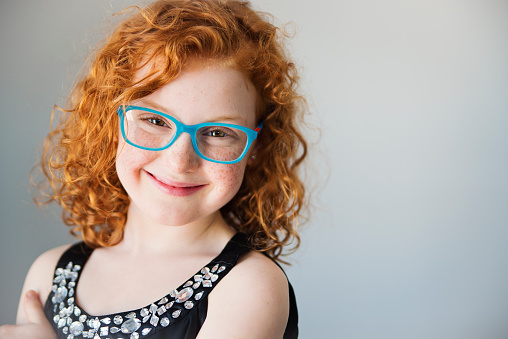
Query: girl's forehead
[{"x": 215, "y": 90}]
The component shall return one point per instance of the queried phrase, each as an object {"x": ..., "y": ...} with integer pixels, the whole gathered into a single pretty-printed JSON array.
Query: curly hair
[{"x": 79, "y": 155}]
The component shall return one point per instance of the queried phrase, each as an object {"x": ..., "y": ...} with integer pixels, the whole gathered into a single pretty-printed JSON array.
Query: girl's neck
[{"x": 143, "y": 236}]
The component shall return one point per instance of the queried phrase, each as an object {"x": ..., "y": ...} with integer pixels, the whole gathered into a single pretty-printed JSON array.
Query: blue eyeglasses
[{"x": 151, "y": 130}]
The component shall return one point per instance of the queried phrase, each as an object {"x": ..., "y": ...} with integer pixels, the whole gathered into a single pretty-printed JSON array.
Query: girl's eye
[
  {"x": 156, "y": 121},
  {"x": 217, "y": 133}
]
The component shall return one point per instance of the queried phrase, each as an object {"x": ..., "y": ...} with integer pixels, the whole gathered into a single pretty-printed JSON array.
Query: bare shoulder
[
  {"x": 254, "y": 292},
  {"x": 40, "y": 277}
]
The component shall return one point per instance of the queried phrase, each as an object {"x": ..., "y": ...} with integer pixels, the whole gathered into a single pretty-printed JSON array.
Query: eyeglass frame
[{"x": 189, "y": 129}]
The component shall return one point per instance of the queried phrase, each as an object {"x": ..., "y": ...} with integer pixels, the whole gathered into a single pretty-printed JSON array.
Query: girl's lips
[{"x": 178, "y": 189}]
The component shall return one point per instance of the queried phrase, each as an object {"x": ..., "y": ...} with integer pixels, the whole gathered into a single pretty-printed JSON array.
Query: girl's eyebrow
[
  {"x": 231, "y": 118},
  {"x": 153, "y": 105}
]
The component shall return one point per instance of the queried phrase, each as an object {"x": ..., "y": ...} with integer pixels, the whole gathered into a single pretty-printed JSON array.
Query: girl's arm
[
  {"x": 252, "y": 301},
  {"x": 31, "y": 320},
  {"x": 40, "y": 279}
]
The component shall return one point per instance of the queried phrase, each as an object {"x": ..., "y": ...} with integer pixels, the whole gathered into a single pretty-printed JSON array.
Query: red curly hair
[{"x": 79, "y": 154}]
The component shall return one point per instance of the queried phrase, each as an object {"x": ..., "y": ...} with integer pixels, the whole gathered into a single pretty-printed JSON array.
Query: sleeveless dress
[{"x": 180, "y": 314}]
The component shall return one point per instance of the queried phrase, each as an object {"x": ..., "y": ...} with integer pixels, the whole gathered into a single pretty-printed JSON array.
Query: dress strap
[
  {"x": 234, "y": 249},
  {"x": 77, "y": 254}
]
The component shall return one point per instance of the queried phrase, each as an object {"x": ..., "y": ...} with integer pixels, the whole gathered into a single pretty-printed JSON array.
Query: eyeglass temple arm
[{"x": 260, "y": 126}]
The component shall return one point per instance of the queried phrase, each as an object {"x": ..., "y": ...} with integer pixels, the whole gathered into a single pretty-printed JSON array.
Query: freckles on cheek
[{"x": 228, "y": 178}]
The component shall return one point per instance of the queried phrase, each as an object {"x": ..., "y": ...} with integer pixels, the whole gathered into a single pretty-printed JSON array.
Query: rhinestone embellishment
[
  {"x": 184, "y": 295},
  {"x": 131, "y": 325},
  {"x": 72, "y": 321}
]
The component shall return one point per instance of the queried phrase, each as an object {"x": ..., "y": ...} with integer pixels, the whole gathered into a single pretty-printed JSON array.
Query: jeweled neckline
[{"x": 74, "y": 321}]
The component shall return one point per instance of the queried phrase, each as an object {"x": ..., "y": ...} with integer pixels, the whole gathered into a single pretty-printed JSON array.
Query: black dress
[{"x": 180, "y": 314}]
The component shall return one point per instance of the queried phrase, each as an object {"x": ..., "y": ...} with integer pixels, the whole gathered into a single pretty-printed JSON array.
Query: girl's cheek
[
  {"x": 131, "y": 159},
  {"x": 228, "y": 178}
]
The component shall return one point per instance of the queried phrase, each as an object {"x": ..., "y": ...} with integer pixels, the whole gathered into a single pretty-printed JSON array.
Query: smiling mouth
[{"x": 175, "y": 188}]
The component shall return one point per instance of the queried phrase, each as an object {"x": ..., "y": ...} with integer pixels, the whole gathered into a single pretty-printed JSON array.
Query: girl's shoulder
[
  {"x": 40, "y": 277},
  {"x": 254, "y": 292}
]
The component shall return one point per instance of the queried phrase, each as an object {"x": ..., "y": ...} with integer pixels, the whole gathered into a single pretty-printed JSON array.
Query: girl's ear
[
  {"x": 251, "y": 159},
  {"x": 254, "y": 151}
]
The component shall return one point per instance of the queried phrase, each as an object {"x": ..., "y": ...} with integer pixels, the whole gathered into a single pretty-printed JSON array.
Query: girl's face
[{"x": 175, "y": 186}]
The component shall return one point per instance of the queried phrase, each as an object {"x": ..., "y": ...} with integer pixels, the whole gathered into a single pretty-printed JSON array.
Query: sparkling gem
[
  {"x": 196, "y": 285},
  {"x": 114, "y": 329},
  {"x": 71, "y": 292},
  {"x": 161, "y": 310},
  {"x": 69, "y": 321},
  {"x": 61, "y": 306},
  {"x": 85, "y": 334},
  {"x": 77, "y": 311},
  {"x": 215, "y": 268},
  {"x": 70, "y": 336},
  {"x": 131, "y": 325},
  {"x": 72, "y": 284},
  {"x": 145, "y": 319},
  {"x": 62, "y": 313},
  {"x": 188, "y": 305},
  {"x": 70, "y": 301},
  {"x": 198, "y": 295},
  {"x": 207, "y": 283},
  {"x": 154, "y": 320},
  {"x": 214, "y": 277},
  {"x": 69, "y": 265},
  {"x": 146, "y": 331},
  {"x": 58, "y": 279},
  {"x": 82, "y": 318},
  {"x": 74, "y": 276},
  {"x": 94, "y": 323},
  {"x": 60, "y": 294},
  {"x": 176, "y": 313},
  {"x": 76, "y": 328},
  {"x": 106, "y": 320},
  {"x": 65, "y": 330},
  {"x": 153, "y": 308},
  {"x": 169, "y": 305},
  {"x": 135, "y": 335},
  {"x": 59, "y": 271},
  {"x": 207, "y": 275},
  {"x": 56, "y": 318},
  {"x": 164, "y": 322},
  {"x": 163, "y": 301},
  {"x": 198, "y": 277},
  {"x": 117, "y": 319},
  {"x": 184, "y": 295},
  {"x": 173, "y": 293},
  {"x": 188, "y": 283},
  {"x": 205, "y": 270},
  {"x": 62, "y": 322},
  {"x": 76, "y": 268},
  {"x": 221, "y": 269},
  {"x": 130, "y": 315},
  {"x": 53, "y": 288},
  {"x": 144, "y": 312},
  {"x": 96, "y": 336},
  {"x": 104, "y": 330}
]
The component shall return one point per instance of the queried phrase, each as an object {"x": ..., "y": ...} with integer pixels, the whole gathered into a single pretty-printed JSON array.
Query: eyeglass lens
[{"x": 150, "y": 130}]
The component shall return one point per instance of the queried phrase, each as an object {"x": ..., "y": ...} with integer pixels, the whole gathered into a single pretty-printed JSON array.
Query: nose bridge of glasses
[{"x": 190, "y": 130}]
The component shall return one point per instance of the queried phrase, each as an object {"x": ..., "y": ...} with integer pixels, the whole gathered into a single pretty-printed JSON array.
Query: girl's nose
[{"x": 181, "y": 156}]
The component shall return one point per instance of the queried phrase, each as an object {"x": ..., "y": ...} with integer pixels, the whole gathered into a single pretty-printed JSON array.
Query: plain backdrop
[{"x": 409, "y": 234}]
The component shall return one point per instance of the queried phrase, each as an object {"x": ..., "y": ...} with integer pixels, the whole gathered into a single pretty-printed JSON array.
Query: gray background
[{"x": 408, "y": 237}]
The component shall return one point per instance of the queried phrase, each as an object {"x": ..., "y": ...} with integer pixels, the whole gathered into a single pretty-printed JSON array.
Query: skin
[{"x": 178, "y": 233}]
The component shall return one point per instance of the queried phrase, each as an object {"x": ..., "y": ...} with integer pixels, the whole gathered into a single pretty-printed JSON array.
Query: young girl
[{"x": 176, "y": 165}]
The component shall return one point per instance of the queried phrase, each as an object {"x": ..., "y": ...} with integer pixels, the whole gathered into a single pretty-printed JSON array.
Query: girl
[{"x": 176, "y": 165}]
